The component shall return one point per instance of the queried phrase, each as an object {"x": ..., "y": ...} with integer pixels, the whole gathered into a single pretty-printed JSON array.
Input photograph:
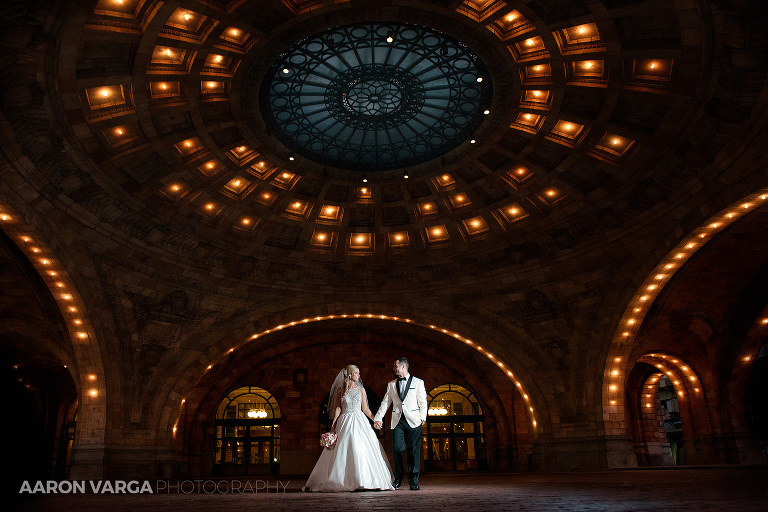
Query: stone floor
[{"x": 697, "y": 489}]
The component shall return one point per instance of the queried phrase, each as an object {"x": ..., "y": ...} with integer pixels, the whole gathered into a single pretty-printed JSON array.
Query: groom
[{"x": 409, "y": 412}]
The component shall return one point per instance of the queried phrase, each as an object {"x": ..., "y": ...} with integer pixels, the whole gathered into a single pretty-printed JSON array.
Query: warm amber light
[
  {"x": 235, "y": 32},
  {"x": 119, "y": 131},
  {"x": 460, "y": 198},
  {"x": 653, "y": 65},
  {"x": 211, "y": 84},
  {"x": 513, "y": 211},
  {"x": 446, "y": 177},
  {"x": 567, "y": 126},
  {"x": 163, "y": 86},
  {"x": 265, "y": 196},
  {"x": 360, "y": 239},
  {"x": 529, "y": 42},
  {"x": 246, "y": 221},
  {"x": 92, "y": 377},
  {"x": 437, "y": 231},
  {"x": 587, "y": 64},
  {"x": 321, "y": 237},
  {"x": 286, "y": 176},
  {"x": 187, "y": 143},
  {"x": 209, "y": 206},
  {"x": 537, "y": 68},
  {"x": 168, "y": 52},
  {"x": 94, "y": 392},
  {"x": 613, "y": 387},
  {"x": 398, "y": 237},
  {"x": 210, "y": 165},
  {"x": 297, "y": 205},
  {"x": 329, "y": 210},
  {"x": 511, "y": 17},
  {"x": 550, "y": 193},
  {"x": 527, "y": 116}
]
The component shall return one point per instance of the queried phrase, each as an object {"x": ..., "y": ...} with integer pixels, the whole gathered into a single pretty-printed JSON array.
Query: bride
[{"x": 357, "y": 460}]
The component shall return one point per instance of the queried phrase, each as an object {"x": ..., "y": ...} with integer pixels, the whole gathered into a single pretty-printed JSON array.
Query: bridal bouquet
[{"x": 328, "y": 439}]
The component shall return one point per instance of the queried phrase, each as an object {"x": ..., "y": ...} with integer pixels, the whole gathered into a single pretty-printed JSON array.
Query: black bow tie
[{"x": 400, "y": 379}]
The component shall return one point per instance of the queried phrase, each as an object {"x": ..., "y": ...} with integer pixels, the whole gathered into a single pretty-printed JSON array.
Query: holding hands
[{"x": 378, "y": 424}]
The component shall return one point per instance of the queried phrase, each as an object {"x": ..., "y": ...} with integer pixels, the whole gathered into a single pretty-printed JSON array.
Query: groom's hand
[{"x": 377, "y": 425}]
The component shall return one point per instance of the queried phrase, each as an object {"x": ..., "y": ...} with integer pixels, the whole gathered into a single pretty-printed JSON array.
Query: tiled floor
[{"x": 696, "y": 489}]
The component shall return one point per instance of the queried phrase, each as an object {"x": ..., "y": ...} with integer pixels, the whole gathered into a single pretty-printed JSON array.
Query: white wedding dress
[{"x": 357, "y": 461}]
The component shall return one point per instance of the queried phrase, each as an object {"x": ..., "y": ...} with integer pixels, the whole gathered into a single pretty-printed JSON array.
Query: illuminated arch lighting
[
  {"x": 640, "y": 303},
  {"x": 71, "y": 306},
  {"x": 499, "y": 363},
  {"x": 685, "y": 380}
]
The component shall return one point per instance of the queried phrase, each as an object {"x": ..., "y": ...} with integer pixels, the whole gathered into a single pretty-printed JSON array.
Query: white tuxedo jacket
[{"x": 414, "y": 407}]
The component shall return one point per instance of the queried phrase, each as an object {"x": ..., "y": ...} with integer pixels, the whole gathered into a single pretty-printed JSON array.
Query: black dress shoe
[
  {"x": 415, "y": 488},
  {"x": 396, "y": 485}
]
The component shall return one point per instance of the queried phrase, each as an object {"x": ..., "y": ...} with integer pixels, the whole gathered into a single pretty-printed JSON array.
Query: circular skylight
[{"x": 375, "y": 96}]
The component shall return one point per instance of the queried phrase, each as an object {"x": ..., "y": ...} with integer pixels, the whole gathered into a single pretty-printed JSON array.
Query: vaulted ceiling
[{"x": 597, "y": 114}]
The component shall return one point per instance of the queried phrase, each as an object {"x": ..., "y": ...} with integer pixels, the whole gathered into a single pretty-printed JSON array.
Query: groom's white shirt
[{"x": 414, "y": 408}]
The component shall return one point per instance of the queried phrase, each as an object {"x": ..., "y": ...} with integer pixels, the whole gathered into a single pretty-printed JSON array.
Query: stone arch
[
  {"x": 631, "y": 333},
  {"x": 644, "y": 409},
  {"x": 289, "y": 343},
  {"x": 420, "y": 323},
  {"x": 76, "y": 342}
]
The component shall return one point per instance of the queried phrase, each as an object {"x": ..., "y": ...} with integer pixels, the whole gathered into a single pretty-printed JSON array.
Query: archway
[
  {"x": 454, "y": 437},
  {"x": 716, "y": 325},
  {"x": 298, "y": 365},
  {"x": 668, "y": 415},
  {"x": 651, "y": 443},
  {"x": 247, "y": 433},
  {"x": 39, "y": 396}
]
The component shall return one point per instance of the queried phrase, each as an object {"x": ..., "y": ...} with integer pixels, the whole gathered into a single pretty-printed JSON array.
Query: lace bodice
[{"x": 352, "y": 401}]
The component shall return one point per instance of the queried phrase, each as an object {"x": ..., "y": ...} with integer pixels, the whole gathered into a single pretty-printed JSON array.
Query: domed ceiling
[
  {"x": 387, "y": 131},
  {"x": 375, "y": 96}
]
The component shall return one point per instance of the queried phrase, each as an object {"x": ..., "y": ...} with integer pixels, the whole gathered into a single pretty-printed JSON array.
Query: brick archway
[
  {"x": 320, "y": 351},
  {"x": 72, "y": 339},
  {"x": 722, "y": 326}
]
